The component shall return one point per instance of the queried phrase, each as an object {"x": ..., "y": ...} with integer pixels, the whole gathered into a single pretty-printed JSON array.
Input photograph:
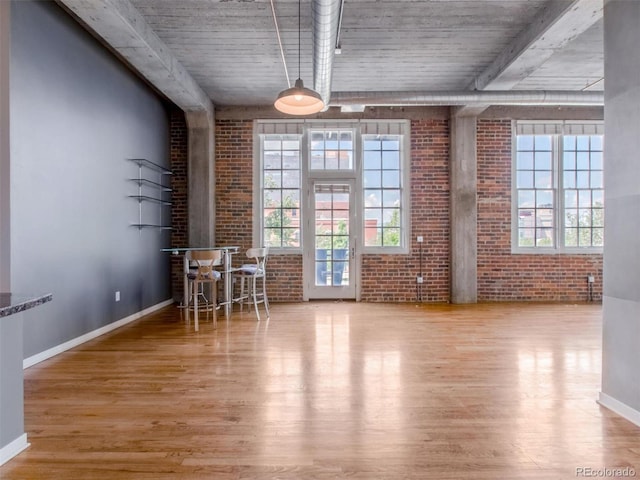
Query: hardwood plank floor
[{"x": 331, "y": 390}]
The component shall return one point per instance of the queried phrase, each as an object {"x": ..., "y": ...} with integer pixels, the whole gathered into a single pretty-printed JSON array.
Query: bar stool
[
  {"x": 252, "y": 272},
  {"x": 204, "y": 262}
]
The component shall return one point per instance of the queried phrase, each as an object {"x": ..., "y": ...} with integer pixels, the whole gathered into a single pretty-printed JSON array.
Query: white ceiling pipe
[
  {"x": 446, "y": 98},
  {"x": 325, "y": 15}
]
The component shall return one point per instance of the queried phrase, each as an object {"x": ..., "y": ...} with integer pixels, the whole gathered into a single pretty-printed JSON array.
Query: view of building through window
[{"x": 559, "y": 191}]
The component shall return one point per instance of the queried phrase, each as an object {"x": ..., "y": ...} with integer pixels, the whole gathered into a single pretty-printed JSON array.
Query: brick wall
[{"x": 501, "y": 274}]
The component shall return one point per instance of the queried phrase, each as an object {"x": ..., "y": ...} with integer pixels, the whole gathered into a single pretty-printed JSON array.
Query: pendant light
[{"x": 299, "y": 100}]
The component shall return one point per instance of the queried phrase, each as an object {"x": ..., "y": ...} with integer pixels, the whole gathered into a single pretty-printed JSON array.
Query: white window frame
[
  {"x": 302, "y": 128},
  {"x": 556, "y": 129}
]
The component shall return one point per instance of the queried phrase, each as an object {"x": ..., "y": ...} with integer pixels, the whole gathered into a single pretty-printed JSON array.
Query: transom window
[
  {"x": 558, "y": 187},
  {"x": 332, "y": 150}
]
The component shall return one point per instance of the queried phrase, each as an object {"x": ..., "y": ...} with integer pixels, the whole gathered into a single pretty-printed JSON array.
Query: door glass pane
[{"x": 331, "y": 231}]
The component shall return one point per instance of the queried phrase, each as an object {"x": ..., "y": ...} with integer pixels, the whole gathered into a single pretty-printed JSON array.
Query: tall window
[
  {"x": 382, "y": 191},
  {"x": 559, "y": 196},
  {"x": 281, "y": 190}
]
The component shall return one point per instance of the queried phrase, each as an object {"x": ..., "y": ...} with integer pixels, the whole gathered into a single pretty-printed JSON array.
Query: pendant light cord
[
  {"x": 299, "y": 42},
  {"x": 284, "y": 62}
]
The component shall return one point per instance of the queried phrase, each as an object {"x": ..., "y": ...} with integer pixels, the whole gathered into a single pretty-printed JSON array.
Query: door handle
[{"x": 353, "y": 253}]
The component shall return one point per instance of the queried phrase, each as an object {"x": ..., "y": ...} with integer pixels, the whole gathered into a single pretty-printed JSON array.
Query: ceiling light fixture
[{"x": 299, "y": 100}]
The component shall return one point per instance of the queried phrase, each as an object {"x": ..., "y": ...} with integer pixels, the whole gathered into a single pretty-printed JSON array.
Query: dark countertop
[{"x": 11, "y": 303}]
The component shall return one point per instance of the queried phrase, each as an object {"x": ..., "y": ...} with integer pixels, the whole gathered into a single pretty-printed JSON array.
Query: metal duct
[
  {"x": 325, "y": 16},
  {"x": 447, "y": 98}
]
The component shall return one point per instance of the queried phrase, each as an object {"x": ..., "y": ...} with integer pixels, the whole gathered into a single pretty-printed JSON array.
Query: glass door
[{"x": 329, "y": 257}]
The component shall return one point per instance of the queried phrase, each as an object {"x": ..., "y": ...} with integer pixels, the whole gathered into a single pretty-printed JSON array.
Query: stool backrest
[
  {"x": 204, "y": 261},
  {"x": 260, "y": 255}
]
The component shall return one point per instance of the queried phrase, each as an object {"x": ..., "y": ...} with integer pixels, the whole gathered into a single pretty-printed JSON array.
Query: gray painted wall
[
  {"x": 621, "y": 296},
  {"x": 77, "y": 114}
]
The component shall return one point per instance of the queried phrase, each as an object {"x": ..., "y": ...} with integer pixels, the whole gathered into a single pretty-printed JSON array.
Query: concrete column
[
  {"x": 201, "y": 152},
  {"x": 464, "y": 209},
  {"x": 5, "y": 237},
  {"x": 621, "y": 296}
]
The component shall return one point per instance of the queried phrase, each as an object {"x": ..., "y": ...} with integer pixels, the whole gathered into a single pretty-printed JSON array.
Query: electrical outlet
[
  {"x": 590, "y": 279},
  {"x": 117, "y": 295},
  {"x": 419, "y": 279},
  {"x": 420, "y": 239}
]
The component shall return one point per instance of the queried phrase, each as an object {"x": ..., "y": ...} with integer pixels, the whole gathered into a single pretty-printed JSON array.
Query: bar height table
[{"x": 227, "y": 265}]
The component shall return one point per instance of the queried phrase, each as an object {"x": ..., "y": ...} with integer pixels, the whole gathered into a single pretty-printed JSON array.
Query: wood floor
[{"x": 331, "y": 390}]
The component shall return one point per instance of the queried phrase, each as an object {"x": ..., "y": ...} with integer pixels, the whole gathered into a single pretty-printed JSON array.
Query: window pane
[
  {"x": 390, "y": 143},
  {"x": 596, "y": 143},
  {"x": 544, "y": 237},
  {"x": 570, "y": 198},
  {"x": 571, "y": 217},
  {"x": 391, "y": 179},
  {"x": 273, "y": 179},
  {"x": 597, "y": 197},
  {"x": 291, "y": 160},
  {"x": 542, "y": 142},
  {"x": 391, "y": 237},
  {"x": 372, "y": 143},
  {"x": 582, "y": 160},
  {"x": 291, "y": 178},
  {"x": 543, "y": 179},
  {"x": 525, "y": 142},
  {"x": 569, "y": 179},
  {"x": 597, "y": 236},
  {"x": 584, "y": 237},
  {"x": 372, "y": 160},
  {"x": 584, "y": 198},
  {"x": 525, "y": 161},
  {"x": 544, "y": 198},
  {"x": 391, "y": 217},
  {"x": 272, "y": 198},
  {"x": 391, "y": 160},
  {"x": 543, "y": 161},
  {"x": 569, "y": 142},
  {"x": 582, "y": 143},
  {"x": 597, "y": 217},
  {"x": 372, "y": 237},
  {"x": 582, "y": 179},
  {"x": 571, "y": 237},
  {"x": 391, "y": 198},
  {"x": 291, "y": 198},
  {"x": 596, "y": 160},
  {"x": 525, "y": 179},
  {"x": 569, "y": 160},
  {"x": 526, "y": 237},
  {"x": 372, "y": 198},
  {"x": 372, "y": 178},
  {"x": 526, "y": 198},
  {"x": 584, "y": 217}
]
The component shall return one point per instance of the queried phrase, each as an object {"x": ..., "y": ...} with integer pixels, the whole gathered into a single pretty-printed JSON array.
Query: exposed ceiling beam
[
  {"x": 560, "y": 22},
  {"x": 120, "y": 25}
]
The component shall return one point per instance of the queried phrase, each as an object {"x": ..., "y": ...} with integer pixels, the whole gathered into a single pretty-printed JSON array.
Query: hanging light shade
[{"x": 299, "y": 100}]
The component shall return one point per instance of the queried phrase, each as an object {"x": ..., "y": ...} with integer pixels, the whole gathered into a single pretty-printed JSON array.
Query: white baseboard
[
  {"x": 12, "y": 449},
  {"x": 620, "y": 408},
  {"x": 40, "y": 357}
]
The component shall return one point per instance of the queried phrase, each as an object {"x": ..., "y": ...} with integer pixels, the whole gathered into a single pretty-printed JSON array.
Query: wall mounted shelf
[{"x": 156, "y": 195}]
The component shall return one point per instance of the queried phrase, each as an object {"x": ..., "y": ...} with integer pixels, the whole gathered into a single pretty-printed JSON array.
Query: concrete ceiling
[{"x": 227, "y": 50}]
